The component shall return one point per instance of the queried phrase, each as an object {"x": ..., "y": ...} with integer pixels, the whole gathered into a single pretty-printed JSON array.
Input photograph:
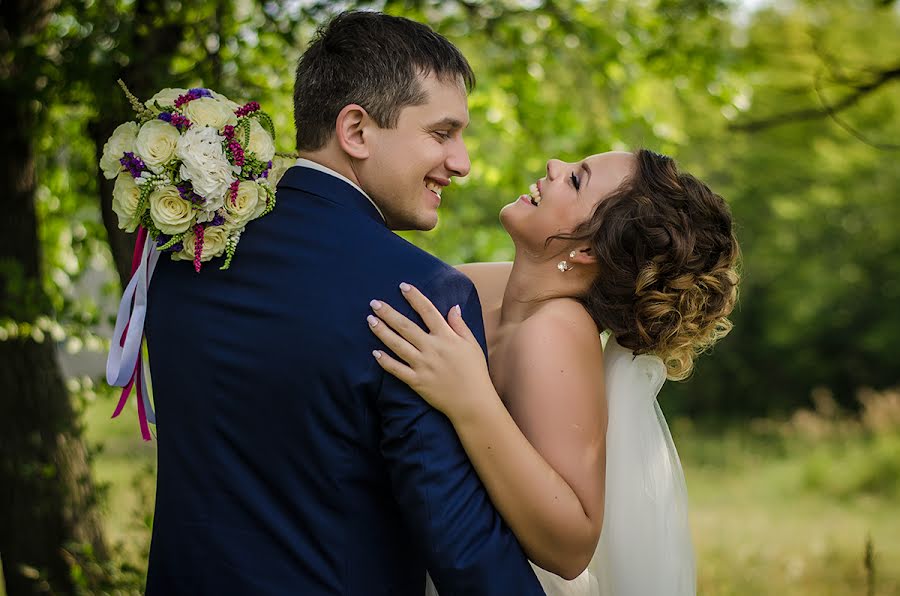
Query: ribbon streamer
[{"x": 128, "y": 364}]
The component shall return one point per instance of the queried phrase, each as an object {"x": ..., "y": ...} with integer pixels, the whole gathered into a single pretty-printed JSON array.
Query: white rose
[
  {"x": 165, "y": 98},
  {"x": 249, "y": 204},
  {"x": 120, "y": 143},
  {"x": 126, "y": 195},
  {"x": 214, "y": 240},
  {"x": 155, "y": 144},
  {"x": 231, "y": 104},
  {"x": 207, "y": 111},
  {"x": 260, "y": 142},
  {"x": 171, "y": 214},
  {"x": 203, "y": 162},
  {"x": 280, "y": 165}
]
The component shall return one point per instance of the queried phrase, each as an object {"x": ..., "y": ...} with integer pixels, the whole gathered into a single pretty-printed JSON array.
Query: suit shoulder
[{"x": 405, "y": 257}]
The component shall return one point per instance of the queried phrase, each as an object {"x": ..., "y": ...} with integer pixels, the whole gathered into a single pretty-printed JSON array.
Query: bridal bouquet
[{"x": 192, "y": 169}]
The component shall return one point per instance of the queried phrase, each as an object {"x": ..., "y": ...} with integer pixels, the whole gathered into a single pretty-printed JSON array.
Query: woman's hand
[{"x": 445, "y": 366}]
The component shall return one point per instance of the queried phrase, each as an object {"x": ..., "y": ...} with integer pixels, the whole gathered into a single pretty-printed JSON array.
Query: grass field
[{"x": 777, "y": 507}]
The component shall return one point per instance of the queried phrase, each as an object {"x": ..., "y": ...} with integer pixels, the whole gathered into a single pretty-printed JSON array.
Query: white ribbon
[{"x": 132, "y": 311}]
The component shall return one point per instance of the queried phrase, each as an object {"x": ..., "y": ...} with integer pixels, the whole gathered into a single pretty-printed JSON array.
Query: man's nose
[{"x": 458, "y": 161}]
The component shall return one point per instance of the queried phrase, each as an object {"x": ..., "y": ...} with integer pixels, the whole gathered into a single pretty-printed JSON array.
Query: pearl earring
[{"x": 564, "y": 266}]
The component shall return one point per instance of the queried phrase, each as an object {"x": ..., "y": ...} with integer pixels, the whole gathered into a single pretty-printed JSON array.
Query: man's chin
[{"x": 420, "y": 224}]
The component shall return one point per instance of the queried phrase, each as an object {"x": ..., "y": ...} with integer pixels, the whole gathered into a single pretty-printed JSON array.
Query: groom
[{"x": 289, "y": 463}]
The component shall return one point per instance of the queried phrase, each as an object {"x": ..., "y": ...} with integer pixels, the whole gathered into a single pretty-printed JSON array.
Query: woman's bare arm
[{"x": 546, "y": 478}]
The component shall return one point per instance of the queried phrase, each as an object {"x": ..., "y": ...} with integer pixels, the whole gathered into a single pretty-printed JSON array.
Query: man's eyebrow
[
  {"x": 586, "y": 168},
  {"x": 448, "y": 122}
]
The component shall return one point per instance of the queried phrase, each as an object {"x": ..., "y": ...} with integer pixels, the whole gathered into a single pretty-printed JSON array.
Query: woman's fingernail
[
  {"x": 372, "y": 320},
  {"x": 375, "y": 305},
  {"x": 376, "y": 353},
  {"x": 458, "y": 310},
  {"x": 405, "y": 287}
]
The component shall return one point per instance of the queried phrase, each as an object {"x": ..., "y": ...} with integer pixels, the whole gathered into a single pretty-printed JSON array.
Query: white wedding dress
[{"x": 645, "y": 546}]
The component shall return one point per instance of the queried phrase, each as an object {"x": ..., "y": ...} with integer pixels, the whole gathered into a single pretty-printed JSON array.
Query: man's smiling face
[{"x": 410, "y": 164}]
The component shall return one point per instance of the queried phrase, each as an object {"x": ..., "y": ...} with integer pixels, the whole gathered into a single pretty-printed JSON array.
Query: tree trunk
[
  {"x": 46, "y": 493},
  {"x": 152, "y": 46}
]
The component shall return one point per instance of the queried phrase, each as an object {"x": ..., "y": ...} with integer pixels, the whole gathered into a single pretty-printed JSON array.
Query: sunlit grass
[{"x": 777, "y": 507}]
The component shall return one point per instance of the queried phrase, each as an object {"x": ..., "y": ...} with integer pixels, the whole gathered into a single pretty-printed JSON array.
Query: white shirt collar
[{"x": 307, "y": 163}]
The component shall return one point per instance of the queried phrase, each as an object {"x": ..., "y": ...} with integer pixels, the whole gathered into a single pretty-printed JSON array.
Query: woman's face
[{"x": 566, "y": 197}]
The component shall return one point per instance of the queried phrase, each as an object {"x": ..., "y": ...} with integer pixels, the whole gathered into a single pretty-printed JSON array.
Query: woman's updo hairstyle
[{"x": 668, "y": 263}]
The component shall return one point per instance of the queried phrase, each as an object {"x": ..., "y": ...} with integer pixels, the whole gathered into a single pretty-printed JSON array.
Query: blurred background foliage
[
  {"x": 790, "y": 110},
  {"x": 728, "y": 88}
]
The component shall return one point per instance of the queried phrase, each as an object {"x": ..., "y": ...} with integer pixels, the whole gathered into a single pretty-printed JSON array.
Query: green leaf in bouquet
[
  {"x": 270, "y": 201},
  {"x": 230, "y": 248},
  {"x": 140, "y": 109},
  {"x": 172, "y": 171},
  {"x": 244, "y": 125},
  {"x": 253, "y": 166},
  {"x": 172, "y": 242},
  {"x": 265, "y": 121},
  {"x": 142, "y": 213}
]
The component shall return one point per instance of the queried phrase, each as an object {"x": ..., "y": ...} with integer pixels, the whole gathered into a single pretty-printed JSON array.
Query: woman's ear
[
  {"x": 582, "y": 256},
  {"x": 351, "y": 131}
]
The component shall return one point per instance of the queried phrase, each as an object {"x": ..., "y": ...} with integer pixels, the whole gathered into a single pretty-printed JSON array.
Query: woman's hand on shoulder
[{"x": 445, "y": 365}]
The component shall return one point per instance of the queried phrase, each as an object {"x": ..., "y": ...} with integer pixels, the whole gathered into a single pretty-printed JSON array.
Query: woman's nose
[{"x": 553, "y": 167}]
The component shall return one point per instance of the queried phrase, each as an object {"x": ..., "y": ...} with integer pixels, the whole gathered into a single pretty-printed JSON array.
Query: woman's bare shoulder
[
  {"x": 560, "y": 326},
  {"x": 489, "y": 279}
]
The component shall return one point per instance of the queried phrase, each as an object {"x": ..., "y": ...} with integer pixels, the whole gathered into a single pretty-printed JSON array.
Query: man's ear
[
  {"x": 350, "y": 130},
  {"x": 582, "y": 256}
]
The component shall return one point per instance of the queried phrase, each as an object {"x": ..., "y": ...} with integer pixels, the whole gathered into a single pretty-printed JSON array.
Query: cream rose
[
  {"x": 171, "y": 214},
  {"x": 203, "y": 162},
  {"x": 165, "y": 98},
  {"x": 120, "y": 143},
  {"x": 125, "y": 198},
  {"x": 156, "y": 143},
  {"x": 207, "y": 111},
  {"x": 232, "y": 105},
  {"x": 214, "y": 240},
  {"x": 261, "y": 142},
  {"x": 249, "y": 204},
  {"x": 280, "y": 165}
]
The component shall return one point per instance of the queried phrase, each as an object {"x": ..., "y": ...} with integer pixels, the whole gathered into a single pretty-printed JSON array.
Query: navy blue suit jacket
[{"x": 289, "y": 462}]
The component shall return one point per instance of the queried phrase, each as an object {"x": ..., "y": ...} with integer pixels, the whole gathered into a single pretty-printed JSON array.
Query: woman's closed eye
[{"x": 575, "y": 181}]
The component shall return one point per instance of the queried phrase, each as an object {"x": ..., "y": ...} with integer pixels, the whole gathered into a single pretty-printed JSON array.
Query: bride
[{"x": 564, "y": 431}]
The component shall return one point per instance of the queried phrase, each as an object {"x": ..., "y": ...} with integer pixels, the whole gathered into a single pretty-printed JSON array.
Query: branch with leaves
[{"x": 864, "y": 85}]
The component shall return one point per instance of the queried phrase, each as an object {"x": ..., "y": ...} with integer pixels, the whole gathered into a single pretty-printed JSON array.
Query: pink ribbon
[{"x": 137, "y": 376}]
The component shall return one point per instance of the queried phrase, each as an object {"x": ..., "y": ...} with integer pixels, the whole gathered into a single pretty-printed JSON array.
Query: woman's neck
[{"x": 533, "y": 282}]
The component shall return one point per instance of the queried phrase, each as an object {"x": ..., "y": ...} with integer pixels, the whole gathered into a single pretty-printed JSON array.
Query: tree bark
[{"x": 46, "y": 494}]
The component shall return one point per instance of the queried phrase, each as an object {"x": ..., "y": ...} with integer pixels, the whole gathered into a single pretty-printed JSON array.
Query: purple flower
[
  {"x": 133, "y": 164},
  {"x": 218, "y": 220},
  {"x": 187, "y": 193},
  {"x": 191, "y": 95},
  {"x": 176, "y": 120}
]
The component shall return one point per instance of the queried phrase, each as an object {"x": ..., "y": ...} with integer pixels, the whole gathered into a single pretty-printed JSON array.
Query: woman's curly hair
[{"x": 668, "y": 263}]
